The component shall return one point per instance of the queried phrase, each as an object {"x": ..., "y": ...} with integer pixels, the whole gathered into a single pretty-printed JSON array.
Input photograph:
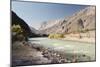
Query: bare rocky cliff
[{"x": 80, "y": 21}]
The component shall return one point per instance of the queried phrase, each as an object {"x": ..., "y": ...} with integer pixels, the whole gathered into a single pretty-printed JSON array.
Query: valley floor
[
  {"x": 82, "y": 37},
  {"x": 25, "y": 53},
  {"x": 90, "y": 40}
]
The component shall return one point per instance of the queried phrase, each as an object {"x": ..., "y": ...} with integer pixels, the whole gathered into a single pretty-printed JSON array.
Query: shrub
[
  {"x": 17, "y": 29},
  {"x": 56, "y": 36},
  {"x": 17, "y": 33},
  {"x": 51, "y": 36}
]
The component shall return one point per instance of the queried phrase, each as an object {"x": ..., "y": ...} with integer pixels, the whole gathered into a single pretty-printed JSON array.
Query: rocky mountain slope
[
  {"x": 16, "y": 20},
  {"x": 78, "y": 22},
  {"x": 28, "y": 31}
]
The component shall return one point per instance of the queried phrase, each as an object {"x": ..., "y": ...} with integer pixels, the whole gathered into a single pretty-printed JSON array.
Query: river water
[{"x": 87, "y": 50}]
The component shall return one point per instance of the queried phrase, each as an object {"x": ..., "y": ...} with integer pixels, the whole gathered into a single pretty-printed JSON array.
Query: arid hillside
[{"x": 81, "y": 21}]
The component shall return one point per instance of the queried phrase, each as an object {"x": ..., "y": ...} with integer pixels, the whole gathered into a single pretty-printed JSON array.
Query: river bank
[
  {"x": 81, "y": 37},
  {"x": 84, "y": 39},
  {"x": 88, "y": 36},
  {"x": 32, "y": 54},
  {"x": 25, "y": 53}
]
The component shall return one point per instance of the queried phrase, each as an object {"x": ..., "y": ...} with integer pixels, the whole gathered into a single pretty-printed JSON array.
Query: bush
[
  {"x": 51, "y": 36},
  {"x": 17, "y": 33},
  {"x": 56, "y": 36},
  {"x": 17, "y": 29}
]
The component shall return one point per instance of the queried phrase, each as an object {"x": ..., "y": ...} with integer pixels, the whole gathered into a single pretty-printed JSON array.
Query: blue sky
[{"x": 34, "y": 13}]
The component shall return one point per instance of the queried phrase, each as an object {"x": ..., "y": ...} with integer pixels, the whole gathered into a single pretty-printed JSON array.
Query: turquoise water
[{"x": 72, "y": 47}]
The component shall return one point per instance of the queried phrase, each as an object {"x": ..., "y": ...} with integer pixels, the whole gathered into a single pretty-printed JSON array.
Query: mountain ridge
[{"x": 82, "y": 20}]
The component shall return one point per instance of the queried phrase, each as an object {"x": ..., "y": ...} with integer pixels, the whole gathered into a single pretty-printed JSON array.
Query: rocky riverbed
[
  {"x": 29, "y": 54},
  {"x": 25, "y": 53}
]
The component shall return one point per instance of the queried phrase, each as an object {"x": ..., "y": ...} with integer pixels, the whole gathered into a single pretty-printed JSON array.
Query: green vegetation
[
  {"x": 56, "y": 36},
  {"x": 17, "y": 33},
  {"x": 17, "y": 29}
]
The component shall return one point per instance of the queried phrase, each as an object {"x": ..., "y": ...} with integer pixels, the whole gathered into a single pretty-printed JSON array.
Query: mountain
[
  {"x": 33, "y": 30},
  {"x": 16, "y": 20},
  {"x": 27, "y": 30},
  {"x": 80, "y": 21}
]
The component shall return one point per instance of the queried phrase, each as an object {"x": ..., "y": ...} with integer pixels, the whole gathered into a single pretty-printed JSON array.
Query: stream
[{"x": 83, "y": 50}]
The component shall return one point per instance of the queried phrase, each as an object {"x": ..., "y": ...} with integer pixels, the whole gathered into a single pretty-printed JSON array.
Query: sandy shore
[
  {"x": 82, "y": 37},
  {"x": 89, "y": 40}
]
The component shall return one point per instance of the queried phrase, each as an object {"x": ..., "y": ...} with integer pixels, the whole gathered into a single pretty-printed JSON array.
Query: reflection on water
[{"x": 81, "y": 50}]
